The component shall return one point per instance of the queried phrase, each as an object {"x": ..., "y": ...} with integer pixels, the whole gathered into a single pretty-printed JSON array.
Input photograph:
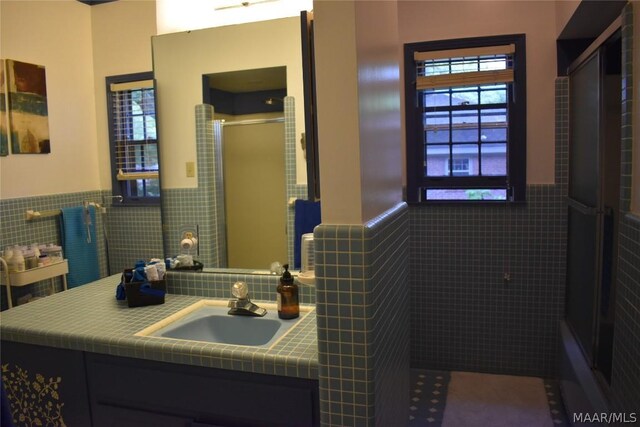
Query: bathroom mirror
[{"x": 182, "y": 62}]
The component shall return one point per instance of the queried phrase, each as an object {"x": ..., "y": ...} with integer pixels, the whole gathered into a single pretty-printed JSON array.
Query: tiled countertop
[{"x": 88, "y": 318}]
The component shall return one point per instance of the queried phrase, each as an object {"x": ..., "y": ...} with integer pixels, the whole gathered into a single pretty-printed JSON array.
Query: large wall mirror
[{"x": 231, "y": 61}]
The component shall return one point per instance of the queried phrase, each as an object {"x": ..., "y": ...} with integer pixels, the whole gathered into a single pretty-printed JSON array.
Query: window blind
[
  {"x": 464, "y": 67},
  {"x": 134, "y": 127}
]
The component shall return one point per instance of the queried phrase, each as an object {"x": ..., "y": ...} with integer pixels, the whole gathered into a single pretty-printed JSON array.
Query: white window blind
[{"x": 464, "y": 67}]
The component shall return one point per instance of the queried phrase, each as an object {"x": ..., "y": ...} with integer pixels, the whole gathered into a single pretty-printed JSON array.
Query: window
[
  {"x": 133, "y": 138},
  {"x": 466, "y": 119}
]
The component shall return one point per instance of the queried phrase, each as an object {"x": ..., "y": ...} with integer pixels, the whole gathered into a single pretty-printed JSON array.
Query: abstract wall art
[
  {"x": 28, "y": 117},
  {"x": 4, "y": 114}
]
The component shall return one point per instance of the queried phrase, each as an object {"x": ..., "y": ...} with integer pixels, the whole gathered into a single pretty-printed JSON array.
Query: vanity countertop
[{"x": 88, "y": 318}]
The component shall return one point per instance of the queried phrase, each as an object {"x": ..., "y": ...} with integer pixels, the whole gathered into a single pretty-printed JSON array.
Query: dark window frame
[
  {"x": 515, "y": 180},
  {"x": 119, "y": 188}
]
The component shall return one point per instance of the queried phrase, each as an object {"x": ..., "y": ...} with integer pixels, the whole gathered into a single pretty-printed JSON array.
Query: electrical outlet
[{"x": 191, "y": 169}]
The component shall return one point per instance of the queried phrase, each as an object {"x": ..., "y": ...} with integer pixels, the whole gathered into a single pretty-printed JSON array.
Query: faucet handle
[{"x": 240, "y": 290}]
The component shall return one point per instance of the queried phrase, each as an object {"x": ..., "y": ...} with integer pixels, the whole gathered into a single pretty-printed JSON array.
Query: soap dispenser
[{"x": 288, "y": 304}]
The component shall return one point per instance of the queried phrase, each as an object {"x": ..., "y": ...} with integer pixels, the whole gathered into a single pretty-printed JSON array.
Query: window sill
[
  {"x": 136, "y": 205},
  {"x": 467, "y": 202}
]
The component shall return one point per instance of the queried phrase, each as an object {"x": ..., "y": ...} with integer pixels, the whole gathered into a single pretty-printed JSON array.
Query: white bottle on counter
[{"x": 16, "y": 263}]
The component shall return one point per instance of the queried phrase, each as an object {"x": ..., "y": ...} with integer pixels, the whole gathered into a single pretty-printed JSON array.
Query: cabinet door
[{"x": 45, "y": 385}]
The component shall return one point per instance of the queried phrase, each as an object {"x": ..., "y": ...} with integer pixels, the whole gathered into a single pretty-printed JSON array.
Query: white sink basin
[{"x": 208, "y": 321}]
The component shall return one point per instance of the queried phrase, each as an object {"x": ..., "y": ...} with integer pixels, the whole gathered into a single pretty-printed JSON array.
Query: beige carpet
[{"x": 482, "y": 400}]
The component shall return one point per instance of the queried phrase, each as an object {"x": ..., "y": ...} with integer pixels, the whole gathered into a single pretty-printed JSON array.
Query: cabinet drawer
[
  {"x": 115, "y": 416},
  {"x": 203, "y": 395}
]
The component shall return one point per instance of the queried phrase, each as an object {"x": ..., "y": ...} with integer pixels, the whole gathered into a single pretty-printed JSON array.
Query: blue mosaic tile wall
[
  {"x": 625, "y": 382},
  {"x": 362, "y": 312},
  {"x": 16, "y": 230},
  {"x": 262, "y": 287},
  {"x": 626, "y": 157},
  {"x": 132, "y": 233},
  {"x": 464, "y": 314},
  {"x": 294, "y": 190}
]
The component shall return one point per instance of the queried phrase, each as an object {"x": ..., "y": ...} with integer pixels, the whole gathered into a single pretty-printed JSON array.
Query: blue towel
[
  {"x": 81, "y": 254},
  {"x": 307, "y": 216}
]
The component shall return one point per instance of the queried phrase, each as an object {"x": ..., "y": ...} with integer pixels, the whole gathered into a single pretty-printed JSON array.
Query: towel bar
[{"x": 32, "y": 214}]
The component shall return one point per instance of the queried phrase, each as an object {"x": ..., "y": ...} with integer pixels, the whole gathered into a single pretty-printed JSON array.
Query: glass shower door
[{"x": 585, "y": 214}]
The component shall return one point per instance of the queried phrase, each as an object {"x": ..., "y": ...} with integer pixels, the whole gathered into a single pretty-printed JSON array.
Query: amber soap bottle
[{"x": 288, "y": 304}]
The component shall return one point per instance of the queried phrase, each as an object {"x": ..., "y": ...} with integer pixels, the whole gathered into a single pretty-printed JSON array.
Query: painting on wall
[
  {"x": 26, "y": 86},
  {"x": 4, "y": 117}
]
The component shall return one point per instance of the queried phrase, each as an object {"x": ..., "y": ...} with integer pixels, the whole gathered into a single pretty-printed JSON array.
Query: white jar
[{"x": 16, "y": 263}]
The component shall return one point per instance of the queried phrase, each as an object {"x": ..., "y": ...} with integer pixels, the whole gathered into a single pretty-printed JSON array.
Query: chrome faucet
[{"x": 241, "y": 305}]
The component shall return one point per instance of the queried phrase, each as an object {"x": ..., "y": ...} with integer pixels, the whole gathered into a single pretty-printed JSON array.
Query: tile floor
[{"x": 469, "y": 399}]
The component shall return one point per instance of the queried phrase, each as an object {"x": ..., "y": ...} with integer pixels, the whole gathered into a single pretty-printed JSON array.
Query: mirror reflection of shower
[{"x": 250, "y": 107}]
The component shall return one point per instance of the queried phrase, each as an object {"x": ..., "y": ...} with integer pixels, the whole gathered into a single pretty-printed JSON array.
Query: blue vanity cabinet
[
  {"x": 134, "y": 392},
  {"x": 45, "y": 385},
  {"x": 74, "y": 388}
]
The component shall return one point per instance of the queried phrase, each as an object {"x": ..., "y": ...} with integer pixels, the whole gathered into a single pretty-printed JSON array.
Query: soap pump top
[{"x": 287, "y": 278}]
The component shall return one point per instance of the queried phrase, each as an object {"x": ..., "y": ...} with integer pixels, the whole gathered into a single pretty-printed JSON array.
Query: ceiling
[{"x": 256, "y": 80}]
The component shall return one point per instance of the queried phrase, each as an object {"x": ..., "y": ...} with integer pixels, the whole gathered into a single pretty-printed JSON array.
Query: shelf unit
[{"x": 33, "y": 275}]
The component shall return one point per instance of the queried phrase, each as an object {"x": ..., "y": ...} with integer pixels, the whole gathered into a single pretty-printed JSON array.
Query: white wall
[
  {"x": 121, "y": 32},
  {"x": 438, "y": 20},
  {"x": 357, "y": 74},
  {"x": 56, "y": 34},
  {"x": 337, "y": 112},
  {"x": 79, "y": 45},
  {"x": 180, "y": 60},
  {"x": 381, "y": 144}
]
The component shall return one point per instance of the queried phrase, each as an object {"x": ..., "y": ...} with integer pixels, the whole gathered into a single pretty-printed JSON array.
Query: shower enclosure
[{"x": 593, "y": 215}]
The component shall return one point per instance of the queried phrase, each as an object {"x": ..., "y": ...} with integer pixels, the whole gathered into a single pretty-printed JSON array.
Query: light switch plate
[{"x": 191, "y": 169}]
